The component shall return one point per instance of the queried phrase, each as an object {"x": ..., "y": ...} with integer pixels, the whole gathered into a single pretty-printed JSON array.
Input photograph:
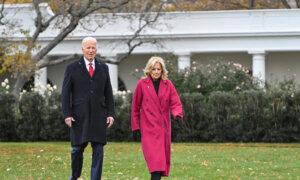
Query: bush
[
  {"x": 254, "y": 110},
  {"x": 193, "y": 127},
  {"x": 217, "y": 76},
  {"x": 32, "y": 114},
  {"x": 53, "y": 125},
  {"x": 121, "y": 130},
  {"x": 7, "y": 117}
]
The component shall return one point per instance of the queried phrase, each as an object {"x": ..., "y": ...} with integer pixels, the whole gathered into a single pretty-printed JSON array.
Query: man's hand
[
  {"x": 69, "y": 121},
  {"x": 109, "y": 121}
]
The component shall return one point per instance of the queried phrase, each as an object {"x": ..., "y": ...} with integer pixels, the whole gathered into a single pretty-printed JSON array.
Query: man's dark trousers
[{"x": 77, "y": 160}]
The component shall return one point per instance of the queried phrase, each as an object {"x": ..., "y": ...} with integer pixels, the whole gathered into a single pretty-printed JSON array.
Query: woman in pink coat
[{"x": 154, "y": 99}]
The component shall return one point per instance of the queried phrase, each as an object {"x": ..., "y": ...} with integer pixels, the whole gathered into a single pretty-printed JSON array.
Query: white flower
[
  {"x": 292, "y": 95},
  {"x": 237, "y": 88},
  {"x": 6, "y": 81},
  {"x": 194, "y": 62},
  {"x": 198, "y": 86},
  {"x": 237, "y": 65},
  {"x": 224, "y": 77},
  {"x": 136, "y": 70},
  {"x": 48, "y": 86},
  {"x": 24, "y": 91},
  {"x": 8, "y": 169},
  {"x": 54, "y": 87},
  {"x": 7, "y": 87},
  {"x": 194, "y": 68},
  {"x": 128, "y": 91},
  {"x": 3, "y": 84}
]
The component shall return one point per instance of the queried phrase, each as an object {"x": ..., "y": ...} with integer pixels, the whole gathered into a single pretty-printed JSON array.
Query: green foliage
[
  {"x": 53, "y": 125},
  {"x": 217, "y": 76},
  {"x": 7, "y": 117},
  {"x": 40, "y": 117},
  {"x": 194, "y": 125},
  {"x": 121, "y": 130},
  {"x": 32, "y": 114}
]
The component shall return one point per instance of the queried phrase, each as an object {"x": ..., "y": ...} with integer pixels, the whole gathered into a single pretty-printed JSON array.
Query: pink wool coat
[{"x": 151, "y": 114}]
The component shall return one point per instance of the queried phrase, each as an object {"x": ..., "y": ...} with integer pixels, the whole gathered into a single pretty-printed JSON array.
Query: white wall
[{"x": 283, "y": 64}]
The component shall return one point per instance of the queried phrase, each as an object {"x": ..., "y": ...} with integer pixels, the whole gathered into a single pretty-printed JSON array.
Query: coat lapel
[
  {"x": 152, "y": 92},
  {"x": 97, "y": 67},
  {"x": 81, "y": 63},
  {"x": 162, "y": 90}
]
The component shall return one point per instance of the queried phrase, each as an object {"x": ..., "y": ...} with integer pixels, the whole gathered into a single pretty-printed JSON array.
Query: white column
[
  {"x": 113, "y": 72},
  {"x": 258, "y": 66},
  {"x": 184, "y": 60},
  {"x": 40, "y": 79}
]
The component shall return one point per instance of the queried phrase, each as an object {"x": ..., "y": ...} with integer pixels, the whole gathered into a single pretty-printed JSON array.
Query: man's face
[{"x": 89, "y": 50}]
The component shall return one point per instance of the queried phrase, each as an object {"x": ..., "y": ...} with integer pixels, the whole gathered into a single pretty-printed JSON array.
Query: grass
[{"x": 51, "y": 160}]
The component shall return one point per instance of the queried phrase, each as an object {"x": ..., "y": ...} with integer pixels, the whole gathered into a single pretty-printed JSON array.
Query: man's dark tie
[{"x": 91, "y": 69}]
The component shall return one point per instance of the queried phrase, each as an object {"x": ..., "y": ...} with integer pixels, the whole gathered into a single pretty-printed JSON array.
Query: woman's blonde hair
[{"x": 150, "y": 64}]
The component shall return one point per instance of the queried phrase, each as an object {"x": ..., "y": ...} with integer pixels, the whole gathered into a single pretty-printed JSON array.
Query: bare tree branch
[
  {"x": 145, "y": 17},
  {"x": 46, "y": 62},
  {"x": 251, "y": 4},
  {"x": 39, "y": 24},
  {"x": 286, "y": 4},
  {"x": 1, "y": 12},
  {"x": 290, "y": 4},
  {"x": 74, "y": 21},
  {"x": 68, "y": 16},
  {"x": 298, "y": 3}
]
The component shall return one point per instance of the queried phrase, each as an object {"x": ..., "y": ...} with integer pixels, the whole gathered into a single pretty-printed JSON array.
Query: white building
[{"x": 266, "y": 41}]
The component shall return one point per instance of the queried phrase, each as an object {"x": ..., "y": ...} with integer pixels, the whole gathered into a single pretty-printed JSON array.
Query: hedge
[{"x": 247, "y": 116}]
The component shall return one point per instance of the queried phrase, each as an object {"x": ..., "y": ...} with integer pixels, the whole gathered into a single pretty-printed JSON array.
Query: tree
[
  {"x": 69, "y": 14},
  {"x": 188, "y": 5}
]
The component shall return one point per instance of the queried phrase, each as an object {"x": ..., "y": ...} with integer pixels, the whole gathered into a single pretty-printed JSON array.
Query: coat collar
[
  {"x": 84, "y": 70},
  {"x": 161, "y": 91},
  {"x": 148, "y": 79}
]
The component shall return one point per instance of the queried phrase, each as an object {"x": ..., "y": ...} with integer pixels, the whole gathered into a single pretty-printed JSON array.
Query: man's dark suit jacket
[{"x": 89, "y": 100}]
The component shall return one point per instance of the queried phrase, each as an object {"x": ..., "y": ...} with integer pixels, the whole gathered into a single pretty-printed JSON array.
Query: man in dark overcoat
[{"x": 88, "y": 107}]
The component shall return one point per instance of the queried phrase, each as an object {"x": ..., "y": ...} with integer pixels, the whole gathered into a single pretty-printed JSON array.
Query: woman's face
[{"x": 156, "y": 71}]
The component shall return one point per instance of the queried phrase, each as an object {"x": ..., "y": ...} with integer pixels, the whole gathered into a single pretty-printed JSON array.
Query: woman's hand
[{"x": 136, "y": 134}]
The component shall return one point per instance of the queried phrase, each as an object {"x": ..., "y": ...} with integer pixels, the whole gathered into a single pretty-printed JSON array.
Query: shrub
[
  {"x": 53, "y": 125},
  {"x": 121, "y": 130},
  {"x": 7, "y": 117},
  {"x": 217, "y": 76},
  {"x": 193, "y": 127},
  {"x": 32, "y": 114}
]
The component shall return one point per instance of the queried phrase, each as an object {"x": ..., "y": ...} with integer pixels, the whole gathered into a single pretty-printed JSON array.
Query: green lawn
[{"x": 51, "y": 160}]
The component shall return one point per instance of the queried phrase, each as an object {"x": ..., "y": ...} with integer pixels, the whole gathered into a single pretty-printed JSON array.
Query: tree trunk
[
  {"x": 21, "y": 80},
  {"x": 291, "y": 3}
]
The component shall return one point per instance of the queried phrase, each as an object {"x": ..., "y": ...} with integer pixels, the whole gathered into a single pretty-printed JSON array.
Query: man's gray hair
[{"x": 88, "y": 39}]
